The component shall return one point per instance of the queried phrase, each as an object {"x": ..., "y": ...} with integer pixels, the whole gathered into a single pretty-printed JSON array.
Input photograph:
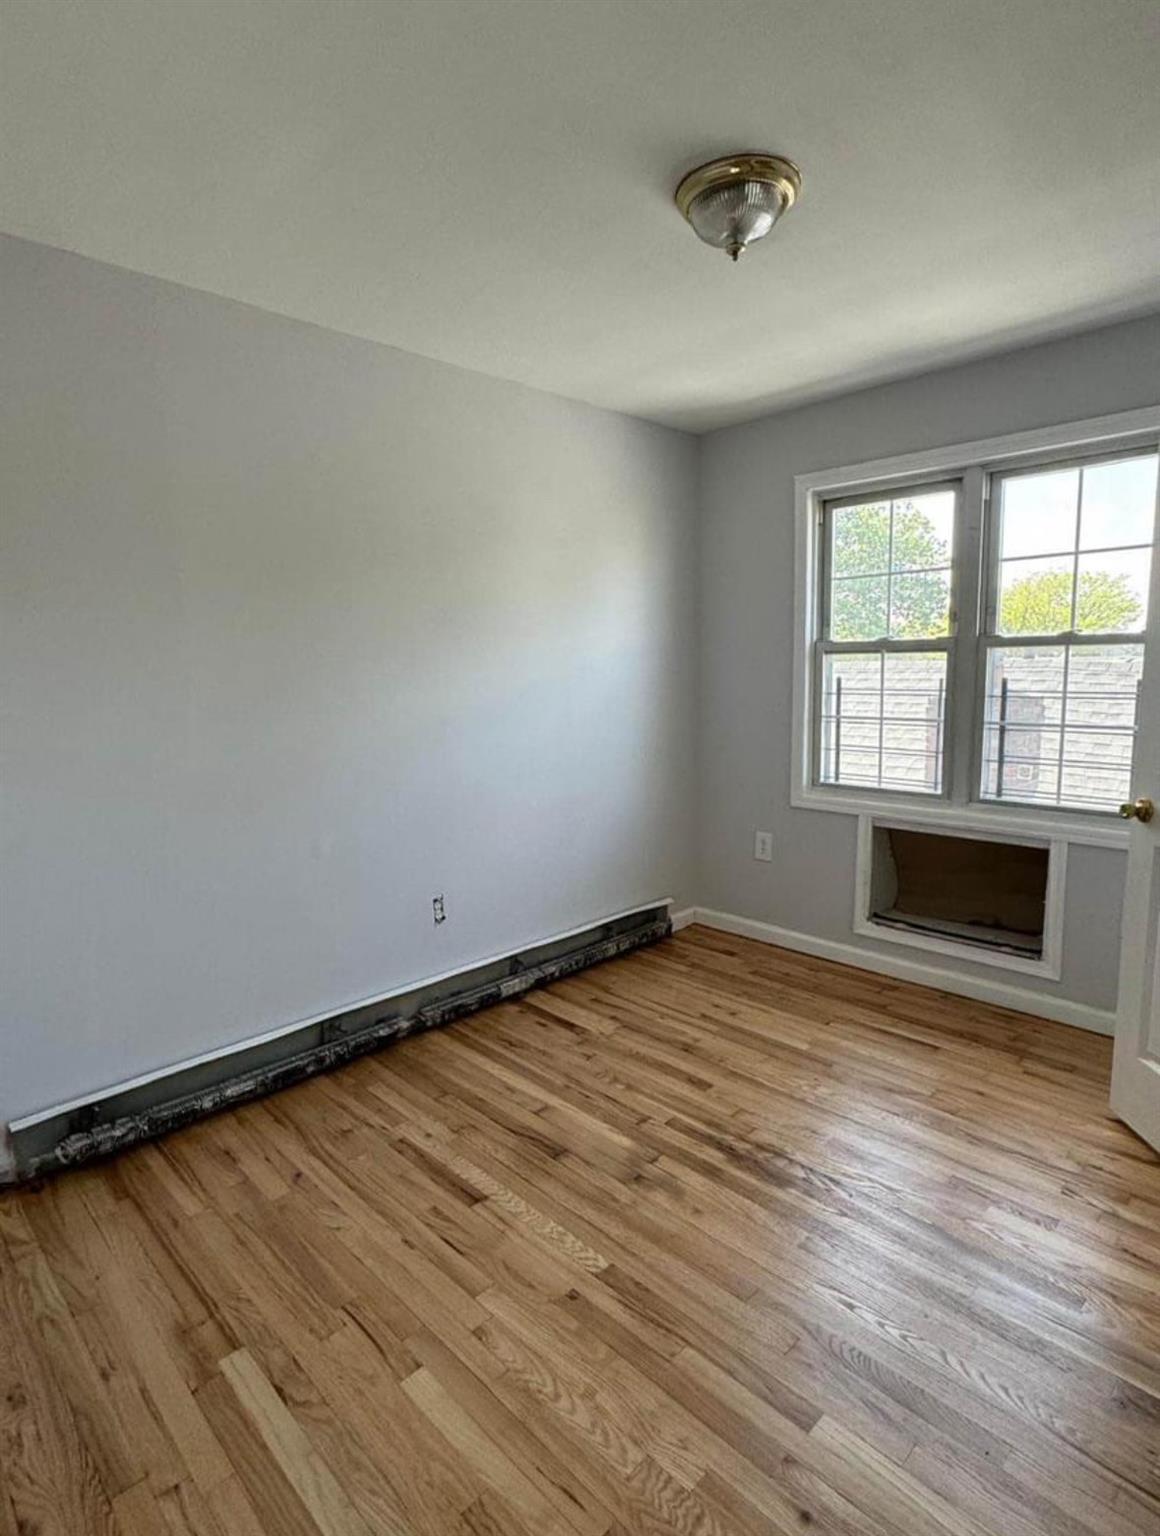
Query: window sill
[
  {"x": 973, "y": 954},
  {"x": 1011, "y": 821}
]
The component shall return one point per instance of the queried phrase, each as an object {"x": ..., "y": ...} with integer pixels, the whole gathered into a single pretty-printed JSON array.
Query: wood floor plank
[
  {"x": 712, "y": 1239},
  {"x": 50, "y": 1483},
  {"x": 470, "y": 1438},
  {"x": 265, "y": 1483},
  {"x": 139, "y": 1513},
  {"x": 306, "y": 1472}
]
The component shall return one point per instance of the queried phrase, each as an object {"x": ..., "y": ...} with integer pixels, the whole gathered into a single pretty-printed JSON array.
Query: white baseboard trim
[
  {"x": 1099, "y": 1021},
  {"x": 683, "y": 918}
]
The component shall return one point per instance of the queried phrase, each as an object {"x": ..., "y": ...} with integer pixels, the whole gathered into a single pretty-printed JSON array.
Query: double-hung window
[
  {"x": 1071, "y": 555},
  {"x": 889, "y": 576},
  {"x": 977, "y": 635}
]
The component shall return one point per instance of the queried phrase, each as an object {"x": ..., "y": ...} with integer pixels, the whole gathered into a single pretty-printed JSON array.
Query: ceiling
[{"x": 490, "y": 181}]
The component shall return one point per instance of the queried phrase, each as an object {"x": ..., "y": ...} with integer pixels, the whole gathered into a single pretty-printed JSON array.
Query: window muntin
[
  {"x": 1072, "y": 560},
  {"x": 1036, "y": 704},
  {"x": 883, "y": 657}
]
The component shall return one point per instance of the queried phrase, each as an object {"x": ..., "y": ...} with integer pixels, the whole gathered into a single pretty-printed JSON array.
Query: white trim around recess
[
  {"x": 1049, "y": 968},
  {"x": 1043, "y": 1005},
  {"x": 809, "y": 491}
]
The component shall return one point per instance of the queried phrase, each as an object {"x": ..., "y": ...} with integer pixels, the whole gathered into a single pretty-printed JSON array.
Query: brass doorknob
[{"x": 1142, "y": 809}]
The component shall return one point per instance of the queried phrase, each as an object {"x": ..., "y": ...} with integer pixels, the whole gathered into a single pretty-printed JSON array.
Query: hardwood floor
[{"x": 714, "y": 1238}]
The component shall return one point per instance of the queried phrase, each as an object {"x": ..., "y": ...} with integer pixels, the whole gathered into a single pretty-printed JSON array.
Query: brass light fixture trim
[{"x": 736, "y": 200}]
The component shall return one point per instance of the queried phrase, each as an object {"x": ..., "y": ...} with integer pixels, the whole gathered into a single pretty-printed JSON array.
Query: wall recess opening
[{"x": 989, "y": 899}]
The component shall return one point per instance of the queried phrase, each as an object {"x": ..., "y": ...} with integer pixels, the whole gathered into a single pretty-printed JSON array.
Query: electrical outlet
[
  {"x": 438, "y": 910},
  {"x": 763, "y": 847}
]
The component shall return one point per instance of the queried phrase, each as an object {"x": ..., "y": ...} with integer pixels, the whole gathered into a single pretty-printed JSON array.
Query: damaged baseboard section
[{"x": 120, "y": 1117}]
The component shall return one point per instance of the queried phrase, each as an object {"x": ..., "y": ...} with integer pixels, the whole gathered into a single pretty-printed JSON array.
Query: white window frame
[
  {"x": 824, "y": 645},
  {"x": 972, "y": 463},
  {"x": 991, "y": 638}
]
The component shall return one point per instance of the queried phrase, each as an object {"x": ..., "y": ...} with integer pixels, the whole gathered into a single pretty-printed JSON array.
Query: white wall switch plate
[{"x": 763, "y": 846}]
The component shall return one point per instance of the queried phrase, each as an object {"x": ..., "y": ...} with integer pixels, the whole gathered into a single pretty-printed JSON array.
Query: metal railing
[
  {"x": 1009, "y": 728},
  {"x": 838, "y": 716}
]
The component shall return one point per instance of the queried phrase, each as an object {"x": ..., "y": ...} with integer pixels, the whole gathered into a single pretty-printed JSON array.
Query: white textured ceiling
[{"x": 490, "y": 181}]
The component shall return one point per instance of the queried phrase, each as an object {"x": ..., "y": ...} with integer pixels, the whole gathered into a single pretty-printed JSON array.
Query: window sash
[
  {"x": 884, "y": 645},
  {"x": 825, "y": 562},
  {"x": 944, "y": 645},
  {"x": 992, "y": 558},
  {"x": 1066, "y": 642}
]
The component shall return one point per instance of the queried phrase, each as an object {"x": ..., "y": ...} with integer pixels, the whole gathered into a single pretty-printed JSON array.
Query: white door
[{"x": 1136, "y": 1068}]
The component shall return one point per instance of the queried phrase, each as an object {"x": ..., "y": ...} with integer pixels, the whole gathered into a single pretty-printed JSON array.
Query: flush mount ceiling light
[{"x": 734, "y": 201}]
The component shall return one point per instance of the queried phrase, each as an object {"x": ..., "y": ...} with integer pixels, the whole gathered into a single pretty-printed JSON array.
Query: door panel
[
  {"x": 1136, "y": 1068},
  {"x": 1136, "y": 1071}
]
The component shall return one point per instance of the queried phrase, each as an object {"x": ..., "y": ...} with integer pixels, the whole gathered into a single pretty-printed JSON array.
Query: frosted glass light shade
[
  {"x": 733, "y": 217},
  {"x": 733, "y": 202}
]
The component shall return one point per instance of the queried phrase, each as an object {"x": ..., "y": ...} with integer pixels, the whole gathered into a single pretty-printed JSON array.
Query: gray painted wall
[
  {"x": 297, "y": 632},
  {"x": 747, "y": 615}
]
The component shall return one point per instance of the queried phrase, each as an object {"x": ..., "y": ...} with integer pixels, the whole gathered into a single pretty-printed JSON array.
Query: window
[
  {"x": 1065, "y": 631},
  {"x": 980, "y": 638},
  {"x": 886, "y": 640}
]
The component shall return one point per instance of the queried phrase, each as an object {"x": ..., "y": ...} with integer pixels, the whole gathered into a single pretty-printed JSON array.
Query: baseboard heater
[{"x": 133, "y": 1112}]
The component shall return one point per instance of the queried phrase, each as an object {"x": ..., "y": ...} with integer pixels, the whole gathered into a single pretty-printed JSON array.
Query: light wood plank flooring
[{"x": 714, "y": 1238}]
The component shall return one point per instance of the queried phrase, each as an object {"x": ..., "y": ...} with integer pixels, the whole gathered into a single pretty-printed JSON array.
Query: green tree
[
  {"x": 918, "y": 592},
  {"x": 1041, "y": 604}
]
